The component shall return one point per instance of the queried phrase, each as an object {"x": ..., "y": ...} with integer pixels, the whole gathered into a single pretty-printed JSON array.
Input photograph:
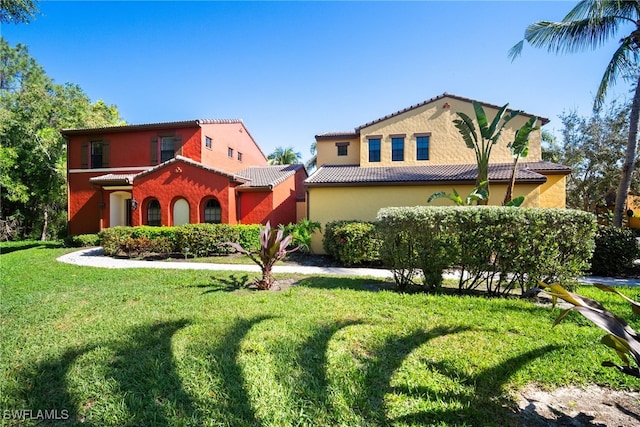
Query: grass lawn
[{"x": 149, "y": 347}]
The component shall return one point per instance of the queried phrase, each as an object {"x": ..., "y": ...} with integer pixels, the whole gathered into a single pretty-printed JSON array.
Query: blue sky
[{"x": 292, "y": 70}]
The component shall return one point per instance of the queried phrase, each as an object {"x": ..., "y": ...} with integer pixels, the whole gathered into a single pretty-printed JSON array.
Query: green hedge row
[
  {"x": 496, "y": 248},
  {"x": 352, "y": 242},
  {"x": 195, "y": 239}
]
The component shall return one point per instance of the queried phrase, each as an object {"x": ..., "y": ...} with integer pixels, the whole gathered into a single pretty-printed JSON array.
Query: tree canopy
[
  {"x": 587, "y": 26},
  {"x": 284, "y": 156},
  {"x": 33, "y": 110},
  {"x": 17, "y": 11}
]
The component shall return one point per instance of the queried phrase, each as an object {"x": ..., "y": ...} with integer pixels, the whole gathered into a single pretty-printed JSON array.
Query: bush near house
[
  {"x": 352, "y": 242},
  {"x": 615, "y": 249},
  {"x": 200, "y": 239},
  {"x": 496, "y": 248}
]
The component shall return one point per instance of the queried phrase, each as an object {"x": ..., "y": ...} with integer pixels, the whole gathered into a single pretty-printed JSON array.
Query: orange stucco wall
[
  {"x": 230, "y": 135},
  {"x": 181, "y": 180},
  {"x": 84, "y": 206}
]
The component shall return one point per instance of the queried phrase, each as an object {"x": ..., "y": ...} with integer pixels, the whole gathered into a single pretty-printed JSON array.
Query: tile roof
[
  {"x": 267, "y": 177},
  {"x": 114, "y": 179},
  {"x": 176, "y": 159},
  {"x": 332, "y": 135},
  {"x": 148, "y": 126},
  {"x": 419, "y": 175}
]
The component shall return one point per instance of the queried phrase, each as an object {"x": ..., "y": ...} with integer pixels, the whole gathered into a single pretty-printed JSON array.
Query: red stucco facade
[{"x": 115, "y": 173}]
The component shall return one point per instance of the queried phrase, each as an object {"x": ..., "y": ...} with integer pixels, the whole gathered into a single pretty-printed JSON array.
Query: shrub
[
  {"x": 83, "y": 240},
  {"x": 144, "y": 246},
  {"x": 615, "y": 250},
  {"x": 496, "y": 247},
  {"x": 301, "y": 233},
  {"x": 352, "y": 242}
]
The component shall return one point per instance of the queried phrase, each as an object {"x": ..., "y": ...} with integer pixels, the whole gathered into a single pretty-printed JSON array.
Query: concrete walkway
[{"x": 93, "y": 257}]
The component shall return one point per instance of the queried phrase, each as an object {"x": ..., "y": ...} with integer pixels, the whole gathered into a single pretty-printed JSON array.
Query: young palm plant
[
  {"x": 589, "y": 25},
  {"x": 482, "y": 142},
  {"x": 273, "y": 248}
]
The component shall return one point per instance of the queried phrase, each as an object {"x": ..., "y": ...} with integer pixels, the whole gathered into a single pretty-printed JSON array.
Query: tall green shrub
[
  {"x": 352, "y": 242},
  {"x": 616, "y": 249},
  {"x": 495, "y": 248}
]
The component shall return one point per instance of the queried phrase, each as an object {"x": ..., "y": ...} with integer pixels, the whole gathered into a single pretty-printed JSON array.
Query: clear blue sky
[{"x": 292, "y": 70}]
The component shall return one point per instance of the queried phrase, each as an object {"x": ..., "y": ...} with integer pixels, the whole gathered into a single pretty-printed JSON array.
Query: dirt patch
[{"x": 573, "y": 406}]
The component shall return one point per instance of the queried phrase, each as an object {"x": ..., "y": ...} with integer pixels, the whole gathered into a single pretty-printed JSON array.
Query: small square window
[
  {"x": 342, "y": 150},
  {"x": 207, "y": 142},
  {"x": 230, "y": 152}
]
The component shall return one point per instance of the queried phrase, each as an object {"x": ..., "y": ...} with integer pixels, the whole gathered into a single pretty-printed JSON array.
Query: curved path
[{"x": 93, "y": 257}]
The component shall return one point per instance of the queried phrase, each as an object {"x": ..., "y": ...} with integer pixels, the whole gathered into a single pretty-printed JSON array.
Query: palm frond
[
  {"x": 620, "y": 64},
  {"x": 572, "y": 36}
]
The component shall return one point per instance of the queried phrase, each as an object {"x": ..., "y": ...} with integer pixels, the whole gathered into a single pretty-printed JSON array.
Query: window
[
  {"x": 397, "y": 149},
  {"x": 153, "y": 213},
  {"x": 422, "y": 147},
  {"x": 230, "y": 152},
  {"x": 95, "y": 154},
  {"x": 212, "y": 212},
  {"x": 207, "y": 142},
  {"x": 374, "y": 149},
  {"x": 239, "y": 156},
  {"x": 167, "y": 148},
  {"x": 343, "y": 149}
]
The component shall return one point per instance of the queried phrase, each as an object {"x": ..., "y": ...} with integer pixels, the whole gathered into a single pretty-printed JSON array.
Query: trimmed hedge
[
  {"x": 200, "y": 239},
  {"x": 497, "y": 248},
  {"x": 616, "y": 249},
  {"x": 352, "y": 242}
]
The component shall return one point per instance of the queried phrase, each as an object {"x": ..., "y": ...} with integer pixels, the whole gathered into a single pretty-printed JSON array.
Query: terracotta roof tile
[
  {"x": 147, "y": 126},
  {"x": 266, "y": 177},
  {"x": 113, "y": 178},
  {"x": 418, "y": 175}
]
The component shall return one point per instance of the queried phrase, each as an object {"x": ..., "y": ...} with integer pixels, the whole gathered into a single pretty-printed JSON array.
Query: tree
[
  {"x": 33, "y": 110},
  {"x": 589, "y": 25},
  {"x": 313, "y": 161},
  {"x": 593, "y": 147},
  {"x": 519, "y": 148},
  {"x": 16, "y": 11},
  {"x": 284, "y": 156},
  {"x": 482, "y": 144}
]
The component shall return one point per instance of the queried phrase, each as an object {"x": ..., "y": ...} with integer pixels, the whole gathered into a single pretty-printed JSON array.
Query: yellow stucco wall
[
  {"x": 363, "y": 203},
  {"x": 445, "y": 145},
  {"x": 553, "y": 193},
  {"x": 327, "y": 152}
]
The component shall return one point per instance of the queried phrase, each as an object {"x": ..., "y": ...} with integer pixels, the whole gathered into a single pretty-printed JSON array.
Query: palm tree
[
  {"x": 589, "y": 25},
  {"x": 312, "y": 163},
  {"x": 284, "y": 156}
]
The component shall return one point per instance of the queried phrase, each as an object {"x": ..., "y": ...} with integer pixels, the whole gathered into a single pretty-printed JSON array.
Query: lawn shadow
[
  {"x": 145, "y": 370},
  {"x": 312, "y": 384},
  {"x": 236, "y": 406},
  {"x": 386, "y": 361},
  {"x": 45, "y": 387},
  {"x": 488, "y": 394},
  {"x": 142, "y": 367},
  {"x": 8, "y": 248},
  {"x": 351, "y": 283},
  {"x": 219, "y": 284}
]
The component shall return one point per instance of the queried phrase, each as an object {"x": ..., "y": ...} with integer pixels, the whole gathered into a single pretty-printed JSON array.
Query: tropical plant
[
  {"x": 519, "y": 148},
  {"x": 17, "y": 11},
  {"x": 621, "y": 337},
  {"x": 483, "y": 142},
  {"x": 312, "y": 163},
  {"x": 477, "y": 194},
  {"x": 273, "y": 248},
  {"x": 301, "y": 233},
  {"x": 589, "y": 25},
  {"x": 284, "y": 156}
]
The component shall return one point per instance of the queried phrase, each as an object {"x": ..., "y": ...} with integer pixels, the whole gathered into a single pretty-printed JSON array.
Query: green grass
[{"x": 151, "y": 347}]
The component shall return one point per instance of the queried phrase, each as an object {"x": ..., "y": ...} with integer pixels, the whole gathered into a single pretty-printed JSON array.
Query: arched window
[
  {"x": 153, "y": 213},
  {"x": 212, "y": 212}
]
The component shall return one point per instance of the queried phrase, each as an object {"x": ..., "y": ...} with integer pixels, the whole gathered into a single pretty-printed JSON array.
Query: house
[
  {"x": 196, "y": 171},
  {"x": 405, "y": 157}
]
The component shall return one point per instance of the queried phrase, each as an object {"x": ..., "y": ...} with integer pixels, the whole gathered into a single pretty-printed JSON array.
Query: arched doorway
[{"x": 180, "y": 212}]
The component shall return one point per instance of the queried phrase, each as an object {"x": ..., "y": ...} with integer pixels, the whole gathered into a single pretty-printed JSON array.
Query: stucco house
[
  {"x": 403, "y": 158},
  {"x": 176, "y": 173}
]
